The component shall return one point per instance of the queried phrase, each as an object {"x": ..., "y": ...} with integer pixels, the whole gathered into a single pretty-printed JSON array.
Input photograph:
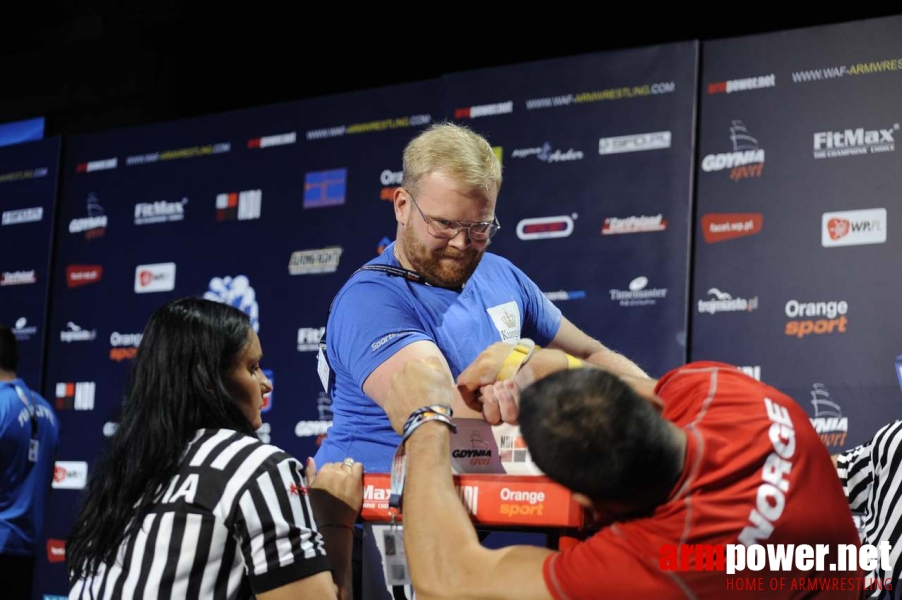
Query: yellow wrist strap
[
  {"x": 573, "y": 362},
  {"x": 517, "y": 357}
]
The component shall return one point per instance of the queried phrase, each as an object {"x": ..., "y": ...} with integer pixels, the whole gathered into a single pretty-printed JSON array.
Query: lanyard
[{"x": 389, "y": 270}]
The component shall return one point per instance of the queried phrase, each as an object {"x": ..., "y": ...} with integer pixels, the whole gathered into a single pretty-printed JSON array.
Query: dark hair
[
  {"x": 176, "y": 386},
  {"x": 9, "y": 349},
  {"x": 591, "y": 432}
]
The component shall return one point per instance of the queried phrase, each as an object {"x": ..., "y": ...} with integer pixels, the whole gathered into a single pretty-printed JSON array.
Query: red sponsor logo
[
  {"x": 717, "y": 88},
  {"x": 81, "y": 168},
  {"x": 78, "y": 275},
  {"x": 56, "y": 551},
  {"x": 145, "y": 277},
  {"x": 59, "y": 473},
  {"x": 838, "y": 228},
  {"x": 254, "y": 143},
  {"x": 719, "y": 227},
  {"x": 297, "y": 490}
]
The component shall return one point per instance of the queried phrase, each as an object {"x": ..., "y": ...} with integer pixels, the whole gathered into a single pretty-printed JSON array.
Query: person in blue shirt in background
[{"x": 29, "y": 436}]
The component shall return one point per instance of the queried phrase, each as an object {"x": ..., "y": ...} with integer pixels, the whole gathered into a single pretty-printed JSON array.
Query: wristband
[
  {"x": 573, "y": 362},
  {"x": 518, "y": 356}
]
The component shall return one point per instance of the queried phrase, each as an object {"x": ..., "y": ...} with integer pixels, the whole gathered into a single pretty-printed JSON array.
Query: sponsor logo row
[
  {"x": 765, "y": 81},
  {"x": 838, "y": 228},
  {"x": 816, "y": 317},
  {"x": 746, "y": 159}
]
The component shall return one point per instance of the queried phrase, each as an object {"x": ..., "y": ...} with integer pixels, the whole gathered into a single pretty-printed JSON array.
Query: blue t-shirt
[
  {"x": 24, "y": 486},
  {"x": 376, "y": 314}
]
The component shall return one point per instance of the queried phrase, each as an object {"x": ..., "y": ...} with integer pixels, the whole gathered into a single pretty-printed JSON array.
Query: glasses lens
[
  {"x": 483, "y": 231},
  {"x": 443, "y": 229}
]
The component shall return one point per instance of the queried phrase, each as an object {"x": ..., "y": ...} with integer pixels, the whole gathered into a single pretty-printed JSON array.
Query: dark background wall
[{"x": 114, "y": 64}]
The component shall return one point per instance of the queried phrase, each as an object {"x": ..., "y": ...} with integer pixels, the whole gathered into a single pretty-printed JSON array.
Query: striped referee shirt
[
  {"x": 872, "y": 479},
  {"x": 234, "y": 521}
]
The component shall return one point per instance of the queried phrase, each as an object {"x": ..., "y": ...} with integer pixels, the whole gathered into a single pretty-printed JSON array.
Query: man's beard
[{"x": 430, "y": 265}]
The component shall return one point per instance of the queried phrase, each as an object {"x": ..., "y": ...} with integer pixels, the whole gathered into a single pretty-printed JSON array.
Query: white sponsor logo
[
  {"x": 79, "y": 225},
  {"x": 109, "y": 429},
  {"x": 745, "y": 152},
  {"x": 244, "y": 206},
  {"x": 81, "y": 395},
  {"x": 828, "y": 420},
  {"x": 854, "y": 142},
  {"x": 125, "y": 339},
  {"x": 613, "y": 225},
  {"x": 389, "y": 177},
  {"x": 853, "y": 227},
  {"x": 74, "y": 333},
  {"x": 161, "y": 211},
  {"x": 656, "y": 140},
  {"x": 830, "y": 309},
  {"x": 309, "y": 337},
  {"x": 283, "y": 139},
  {"x": 753, "y": 371},
  {"x": 94, "y": 225},
  {"x": 545, "y": 227},
  {"x": 22, "y": 331},
  {"x": 561, "y": 295},
  {"x": 236, "y": 292},
  {"x": 742, "y": 85},
  {"x": 70, "y": 475},
  {"x": 724, "y": 302},
  {"x": 158, "y": 277},
  {"x": 24, "y": 215},
  {"x": 18, "y": 277},
  {"x": 506, "y": 318},
  {"x": 311, "y": 428},
  {"x": 322, "y": 260},
  {"x": 546, "y": 154},
  {"x": 100, "y": 165},
  {"x": 638, "y": 294},
  {"x": 485, "y": 110}
]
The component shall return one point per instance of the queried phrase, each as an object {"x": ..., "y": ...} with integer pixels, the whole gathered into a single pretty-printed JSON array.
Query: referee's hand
[{"x": 336, "y": 492}]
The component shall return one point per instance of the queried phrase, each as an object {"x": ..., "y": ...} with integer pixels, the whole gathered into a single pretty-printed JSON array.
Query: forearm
[
  {"x": 440, "y": 540},
  {"x": 339, "y": 542},
  {"x": 615, "y": 363}
]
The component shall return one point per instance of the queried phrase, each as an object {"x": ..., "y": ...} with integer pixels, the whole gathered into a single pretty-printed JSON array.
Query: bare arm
[
  {"x": 317, "y": 586},
  {"x": 574, "y": 341},
  {"x": 444, "y": 554},
  {"x": 378, "y": 383}
]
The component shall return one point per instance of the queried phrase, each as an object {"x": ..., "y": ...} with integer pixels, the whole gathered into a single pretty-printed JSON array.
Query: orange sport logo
[{"x": 816, "y": 318}]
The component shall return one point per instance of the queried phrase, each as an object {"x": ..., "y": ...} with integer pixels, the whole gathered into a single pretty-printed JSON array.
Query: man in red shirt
[{"x": 706, "y": 456}]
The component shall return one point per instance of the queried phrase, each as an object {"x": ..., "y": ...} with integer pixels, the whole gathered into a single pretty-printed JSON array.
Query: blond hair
[{"x": 455, "y": 150}]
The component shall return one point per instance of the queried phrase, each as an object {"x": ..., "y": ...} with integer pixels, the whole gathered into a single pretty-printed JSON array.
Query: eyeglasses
[{"x": 445, "y": 230}]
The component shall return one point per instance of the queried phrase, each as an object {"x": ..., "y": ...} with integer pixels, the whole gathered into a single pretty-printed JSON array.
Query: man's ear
[{"x": 401, "y": 200}]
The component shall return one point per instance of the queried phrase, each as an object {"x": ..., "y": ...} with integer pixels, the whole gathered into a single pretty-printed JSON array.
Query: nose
[
  {"x": 267, "y": 385},
  {"x": 461, "y": 241}
]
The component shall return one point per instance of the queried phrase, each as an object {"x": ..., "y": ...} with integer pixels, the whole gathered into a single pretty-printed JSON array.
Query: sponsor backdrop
[
  {"x": 597, "y": 155},
  {"x": 269, "y": 210},
  {"x": 272, "y": 209},
  {"x": 796, "y": 261},
  {"x": 28, "y": 179}
]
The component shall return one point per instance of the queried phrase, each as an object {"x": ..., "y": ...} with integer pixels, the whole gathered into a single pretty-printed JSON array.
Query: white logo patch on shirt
[{"x": 506, "y": 318}]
